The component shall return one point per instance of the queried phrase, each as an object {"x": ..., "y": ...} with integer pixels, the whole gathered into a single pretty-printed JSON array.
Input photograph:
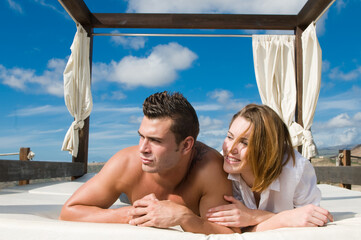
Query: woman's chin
[{"x": 229, "y": 168}]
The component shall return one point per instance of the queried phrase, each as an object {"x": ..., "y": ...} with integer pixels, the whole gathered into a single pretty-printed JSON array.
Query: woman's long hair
[{"x": 268, "y": 143}]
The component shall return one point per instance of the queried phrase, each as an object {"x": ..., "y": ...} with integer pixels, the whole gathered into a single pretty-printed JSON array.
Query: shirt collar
[{"x": 275, "y": 185}]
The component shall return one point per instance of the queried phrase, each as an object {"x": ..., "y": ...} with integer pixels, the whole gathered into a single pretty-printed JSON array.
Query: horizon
[{"x": 36, "y": 46}]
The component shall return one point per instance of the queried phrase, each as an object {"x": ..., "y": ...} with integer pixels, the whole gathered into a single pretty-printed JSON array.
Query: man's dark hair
[{"x": 175, "y": 106}]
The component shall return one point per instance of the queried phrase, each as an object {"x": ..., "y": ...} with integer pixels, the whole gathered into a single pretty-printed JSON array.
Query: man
[{"x": 169, "y": 178}]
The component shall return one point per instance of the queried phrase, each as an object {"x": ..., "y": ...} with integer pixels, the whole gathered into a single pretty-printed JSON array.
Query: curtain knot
[{"x": 78, "y": 125}]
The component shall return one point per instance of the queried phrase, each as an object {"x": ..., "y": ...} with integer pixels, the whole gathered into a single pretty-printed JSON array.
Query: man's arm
[
  {"x": 211, "y": 183},
  {"x": 91, "y": 201}
]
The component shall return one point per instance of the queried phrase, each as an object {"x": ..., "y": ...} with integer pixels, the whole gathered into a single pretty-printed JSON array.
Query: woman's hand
[
  {"x": 306, "y": 216},
  {"x": 235, "y": 214}
]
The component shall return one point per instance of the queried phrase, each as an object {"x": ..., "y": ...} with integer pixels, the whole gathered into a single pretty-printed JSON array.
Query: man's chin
[{"x": 149, "y": 169}]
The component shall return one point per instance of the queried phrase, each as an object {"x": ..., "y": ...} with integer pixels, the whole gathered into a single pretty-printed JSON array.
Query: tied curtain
[
  {"x": 274, "y": 64},
  {"x": 77, "y": 94}
]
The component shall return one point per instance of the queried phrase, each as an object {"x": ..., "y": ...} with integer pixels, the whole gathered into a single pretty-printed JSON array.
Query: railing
[
  {"x": 25, "y": 170},
  {"x": 342, "y": 173}
]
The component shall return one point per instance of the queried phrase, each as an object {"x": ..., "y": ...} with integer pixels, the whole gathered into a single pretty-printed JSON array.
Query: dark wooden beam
[
  {"x": 12, "y": 170},
  {"x": 193, "y": 21},
  {"x": 345, "y": 174},
  {"x": 299, "y": 77},
  {"x": 311, "y": 11},
  {"x": 78, "y": 10}
]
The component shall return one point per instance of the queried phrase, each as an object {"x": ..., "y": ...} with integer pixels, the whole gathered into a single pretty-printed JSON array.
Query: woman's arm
[
  {"x": 306, "y": 216},
  {"x": 236, "y": 214}
]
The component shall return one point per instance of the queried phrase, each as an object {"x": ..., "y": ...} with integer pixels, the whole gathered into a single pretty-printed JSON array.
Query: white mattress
[{"x": 31, "y": 212}]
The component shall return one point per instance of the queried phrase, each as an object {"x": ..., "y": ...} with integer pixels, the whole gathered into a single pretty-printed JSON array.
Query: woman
[{"x": 275, "y": 186}]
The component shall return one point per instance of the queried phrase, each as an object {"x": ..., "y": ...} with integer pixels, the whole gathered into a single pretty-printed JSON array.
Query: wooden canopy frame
[{"x": 310, "y": 12}]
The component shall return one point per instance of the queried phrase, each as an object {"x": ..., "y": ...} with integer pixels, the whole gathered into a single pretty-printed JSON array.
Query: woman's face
[{"x": 235, "y": 160}]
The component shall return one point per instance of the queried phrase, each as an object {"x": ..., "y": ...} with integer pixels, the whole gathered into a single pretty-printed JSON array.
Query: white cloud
[
  {"x": 26, "y": 80},
  {"x": 340, "y": 121},
  {"x": 15, "y": 6},
  {"x": 325, "y": 65},
  {"x": 215, "y": 6},
  {"x": 33, "y": 111},
  {"x": 341, "y": 129},
  {"x": 128, "y": 42},
  {"x": 340, "y": 4},
  {"x": 114, "y": 95},
  {"x": 101, "y": 108},
  {"x": 135, "y": 119},
  {"x": 337, "y": 74},
  {"x": 222, "y": 96},
  {"x": 347, "y": 101},
  {"x": 225, "y": 98},
  {"x": 208, "y": 123},
  {"x": 158, "y": 69},
  {"x": 207, "y": 107},
  {"x": 46, "y": 3}
]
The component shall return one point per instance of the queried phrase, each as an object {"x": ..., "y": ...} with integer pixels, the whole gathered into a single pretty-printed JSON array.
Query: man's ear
[{"x": 188, "y": 144}]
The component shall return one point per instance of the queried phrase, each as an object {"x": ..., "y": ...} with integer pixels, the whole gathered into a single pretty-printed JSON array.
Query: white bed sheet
[{"x": 31, "y": 212}]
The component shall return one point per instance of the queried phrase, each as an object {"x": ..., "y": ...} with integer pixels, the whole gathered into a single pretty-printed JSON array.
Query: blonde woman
[{"x": 273, "y": 185}]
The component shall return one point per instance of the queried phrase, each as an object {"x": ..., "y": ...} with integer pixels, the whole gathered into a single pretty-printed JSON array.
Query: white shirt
[{"x": 295, "y": 187}]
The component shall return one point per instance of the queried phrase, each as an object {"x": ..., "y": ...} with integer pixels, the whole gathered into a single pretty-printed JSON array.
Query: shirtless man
[{"x": 169, "y": 178}]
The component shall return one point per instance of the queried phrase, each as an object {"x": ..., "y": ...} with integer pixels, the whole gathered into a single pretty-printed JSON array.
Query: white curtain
[
  {"x": 312, "y": 68},
  {"x": 77, "y": 92},
  {"x": 274, "y": 64}
]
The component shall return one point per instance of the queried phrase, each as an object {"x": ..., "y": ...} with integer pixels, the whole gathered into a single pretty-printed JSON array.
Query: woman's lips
[{"x": 232, "y": 160}]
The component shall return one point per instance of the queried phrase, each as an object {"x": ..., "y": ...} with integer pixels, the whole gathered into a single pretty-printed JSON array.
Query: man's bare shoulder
[
  {"x": 208, "y": 162},
  {"x": 123, "y": 168}
]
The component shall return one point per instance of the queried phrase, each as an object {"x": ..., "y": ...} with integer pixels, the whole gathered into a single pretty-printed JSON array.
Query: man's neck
[{"x": 172, "y": 178}]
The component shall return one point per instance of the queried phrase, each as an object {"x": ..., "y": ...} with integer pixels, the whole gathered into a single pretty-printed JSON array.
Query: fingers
[
  {"x": 323, "y": 214},
  {"x": 143, "y": 202},
  {"x": 230, "y": 199},
  {"x": 143, "y": 220},
  {"x": 222, "y": 219},
  {"x": 221, "y": 208},
  {"x": 319, "y": 216},
  {"x": 330, "y": 217},
  {"x": 150, "y": 197},
  {"x": 138, "y": 212}
]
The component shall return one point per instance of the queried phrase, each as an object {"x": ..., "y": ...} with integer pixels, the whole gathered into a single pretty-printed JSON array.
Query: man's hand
[
  {"x": 150, "y": 212},
  {"x": 235, "y": 214},
  {"x": 306, "y": 216}
]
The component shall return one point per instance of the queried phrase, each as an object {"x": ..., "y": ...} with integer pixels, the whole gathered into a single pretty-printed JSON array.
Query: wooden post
[
  {"x": 84, "y": 132},
  {"x": 23, "y": 156},
  {"x": 299, "y": 78},
  {"x": 345, "y": 161}
]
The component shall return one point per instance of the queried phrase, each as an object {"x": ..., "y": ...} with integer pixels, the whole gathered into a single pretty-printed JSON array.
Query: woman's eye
[{"x": 244, "y": 143}]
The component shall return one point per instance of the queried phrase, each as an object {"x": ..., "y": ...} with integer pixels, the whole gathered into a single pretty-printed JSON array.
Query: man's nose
[{"x": 143, "y": 145}]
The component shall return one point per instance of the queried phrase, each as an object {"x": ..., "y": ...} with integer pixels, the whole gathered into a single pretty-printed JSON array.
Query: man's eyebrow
[{"x": 150, "y": 137}]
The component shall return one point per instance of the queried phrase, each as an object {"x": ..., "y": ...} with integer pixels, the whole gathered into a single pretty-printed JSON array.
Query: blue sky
[{"x": 215, "y": 74}]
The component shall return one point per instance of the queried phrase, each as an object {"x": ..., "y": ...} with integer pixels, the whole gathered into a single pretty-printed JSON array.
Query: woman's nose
[{"x": 233, "y": 150}]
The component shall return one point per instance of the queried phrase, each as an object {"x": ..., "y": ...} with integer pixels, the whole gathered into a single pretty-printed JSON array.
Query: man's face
[{"x": 157, "y": 145}]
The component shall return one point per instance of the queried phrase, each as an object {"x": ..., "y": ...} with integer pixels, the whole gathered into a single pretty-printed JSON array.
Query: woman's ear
[{"x": 188, "y": 144}]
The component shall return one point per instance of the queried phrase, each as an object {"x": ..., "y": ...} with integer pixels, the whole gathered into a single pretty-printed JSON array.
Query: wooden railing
[
  {"x": 343, "y": 173},
  {"x": 25, "y": 170}
]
